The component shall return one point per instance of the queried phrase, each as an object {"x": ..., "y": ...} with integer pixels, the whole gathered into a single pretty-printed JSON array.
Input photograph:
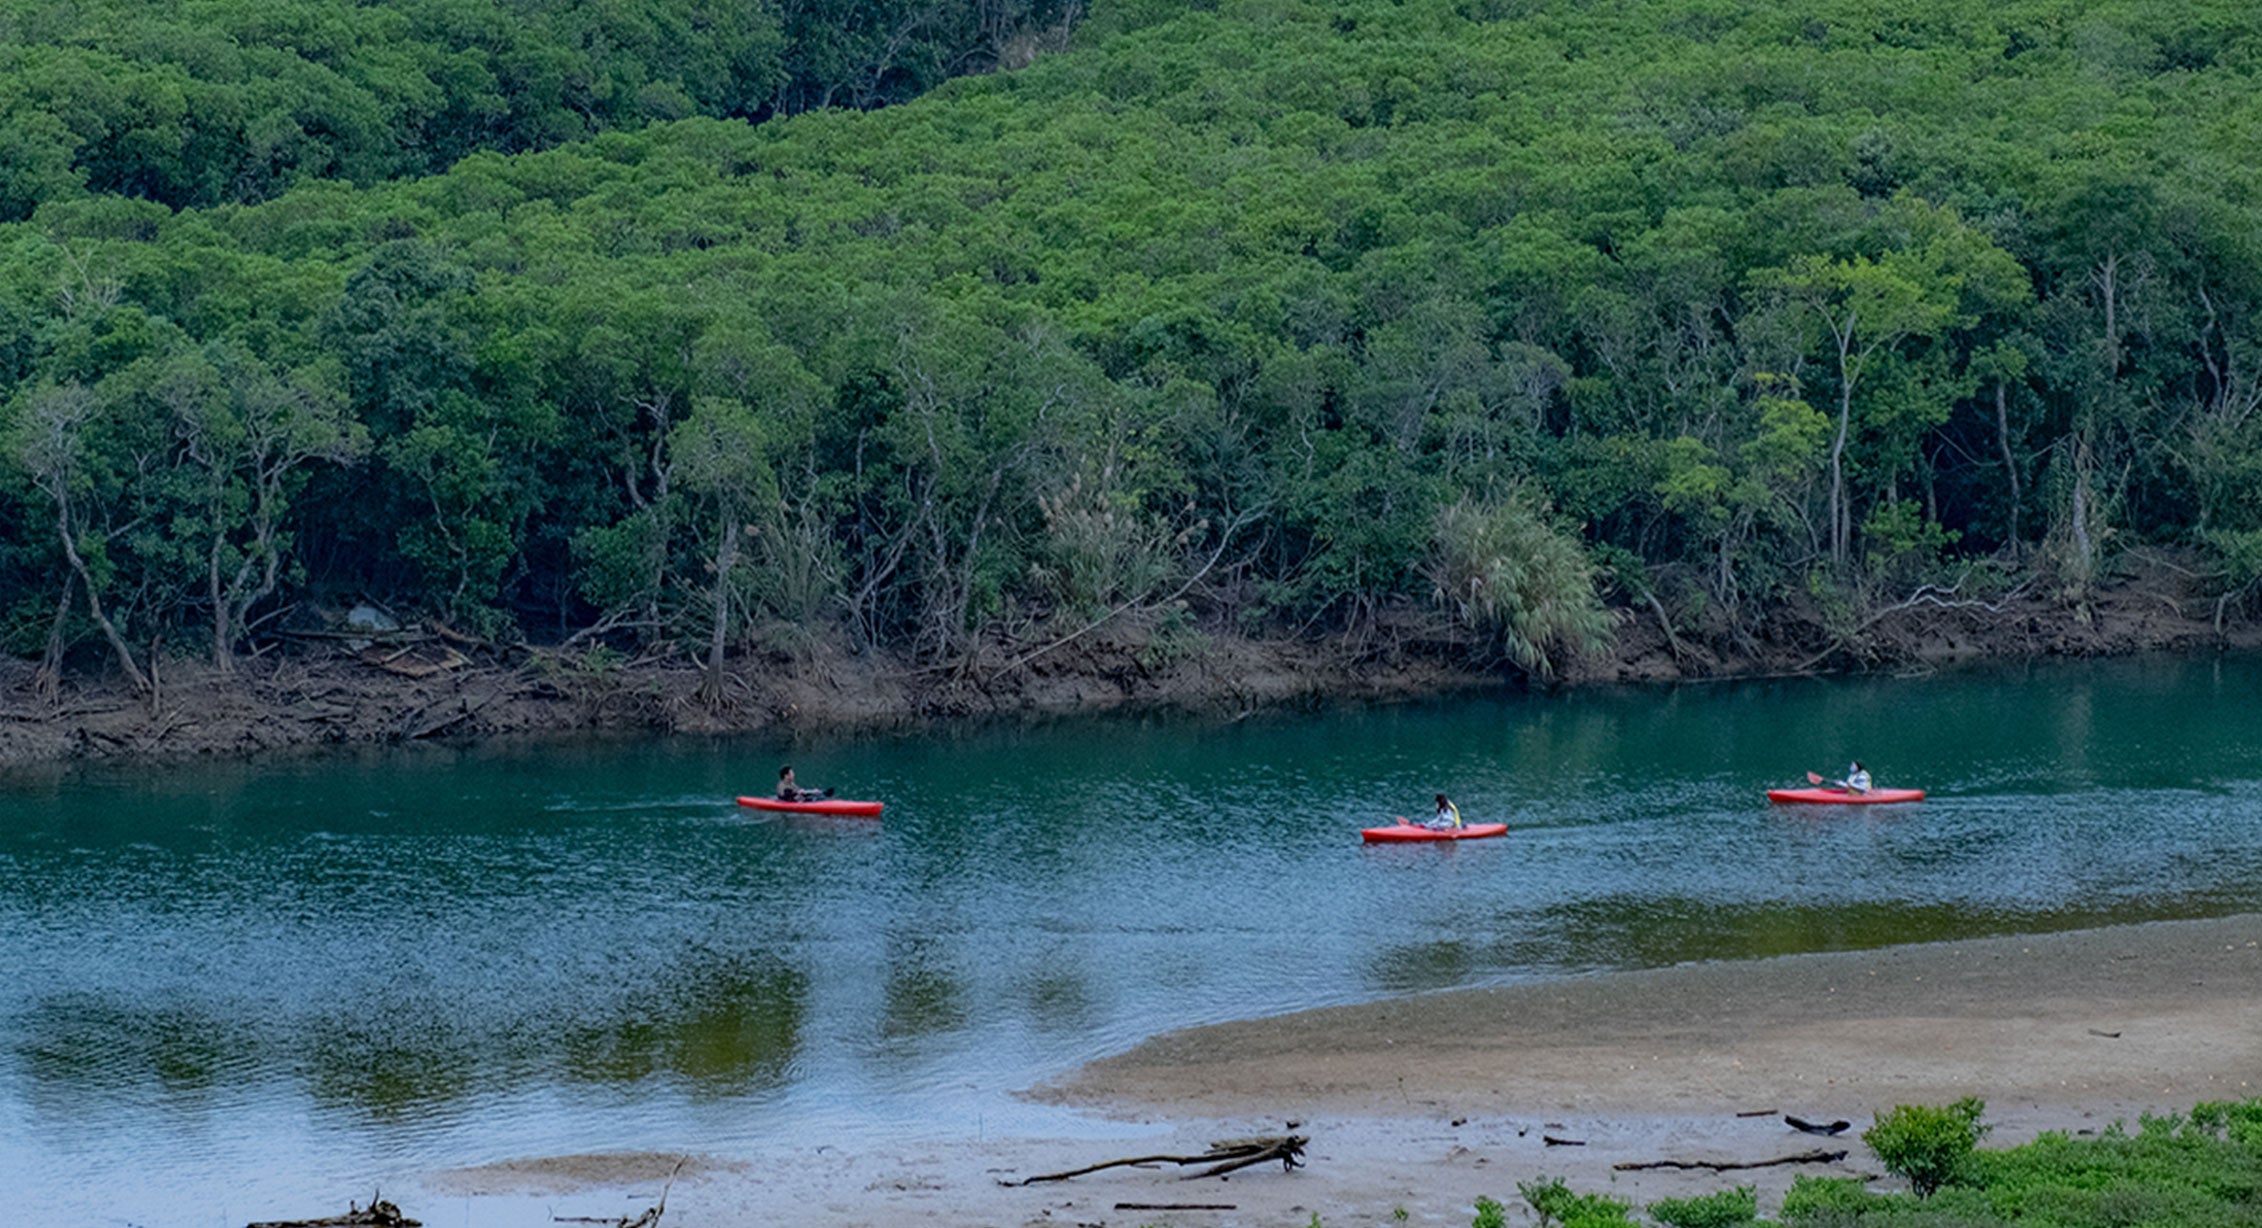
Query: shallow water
[{"x": 237, "y": 992}]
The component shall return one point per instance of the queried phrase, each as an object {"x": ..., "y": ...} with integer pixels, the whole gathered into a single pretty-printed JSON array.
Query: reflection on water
[
  {"x": 247, "y": 987},
  {"x": 728, "y": 1027},
  {"x": 923, "y": 999},
  {"x": 720, "y": 1028},
  {"x": 1411, "y": 967}
]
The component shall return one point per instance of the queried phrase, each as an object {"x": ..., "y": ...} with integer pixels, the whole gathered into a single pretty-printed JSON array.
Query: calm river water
[{"x": 236, "y": 992}]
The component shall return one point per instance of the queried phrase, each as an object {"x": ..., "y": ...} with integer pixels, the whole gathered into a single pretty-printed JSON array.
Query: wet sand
[{"x": 1425, "y": 1103}]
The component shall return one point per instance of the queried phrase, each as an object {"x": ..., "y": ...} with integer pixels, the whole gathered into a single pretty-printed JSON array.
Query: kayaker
[
  {"x": 791, "y": 791},
  {"x": 1857, "y": 778},
  {"x": 1448, "y": 815}
]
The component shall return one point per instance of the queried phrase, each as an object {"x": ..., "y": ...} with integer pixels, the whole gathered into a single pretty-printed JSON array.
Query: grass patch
[{"x": 2197, "y": 1170}]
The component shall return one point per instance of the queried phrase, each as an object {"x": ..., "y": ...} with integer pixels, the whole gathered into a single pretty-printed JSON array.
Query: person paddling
[
  {"x": 1448, "y": 815},
  {"x": 790, "y": 790},
  {"x": 1857, "y": 778}
]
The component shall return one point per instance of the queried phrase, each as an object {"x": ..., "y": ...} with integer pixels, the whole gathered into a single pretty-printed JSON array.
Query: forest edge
[{"x": 311, "y": 696}]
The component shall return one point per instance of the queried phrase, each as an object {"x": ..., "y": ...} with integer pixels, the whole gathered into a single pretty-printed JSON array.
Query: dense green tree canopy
[
  {"x": 1320, "y": 302},
  {"x": 203, "y": 102}
]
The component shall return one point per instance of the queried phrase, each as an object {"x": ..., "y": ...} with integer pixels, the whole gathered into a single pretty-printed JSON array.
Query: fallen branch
[
  {"x": 1817, "y": 1127},
  {"x": 466, "y": 710},
  {"x": 2154, "y": 559},
  {"x": 608, "y": 625},
  {"x": 1288, "y": 1150},
  {"x": 649, "y": 1219},
  {"x": 1664, "y": 623},
  {"x": 399, "y": 635},
  {"x": 417, "y": 667},
  {"x": 94, "y": 709},
  {"x": 1234, "y": 1153},
  {"x": 453, "y": 636},
  {"x": 652, "y": 1214},
  {"x": 1177, "y": 1206},
  {"x": 1553, "y": 1141},
  {"x": 378, "y": 1214},
  {"x": 1933, "y": 595},
  {"x": 1925, "y": 594},
  {"x": 1225, "y": 538},
  {"x": 1721, "y": 1166}
]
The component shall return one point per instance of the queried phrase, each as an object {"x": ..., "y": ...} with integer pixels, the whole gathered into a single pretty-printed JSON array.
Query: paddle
[{"x": 1816, "y": 778}]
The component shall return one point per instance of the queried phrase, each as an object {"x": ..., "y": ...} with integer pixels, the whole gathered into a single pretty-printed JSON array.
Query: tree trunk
[
  {"x": 223, "y": 643},
  {"x": 1838, "y": 513},
  {"x": 726, "y": 561},
  {"x": 2108, "y": 283},
  {"x": 2010, "y": 463},
  {"x": 50, "y": 675},
  {"x": 2078, "y": 523},
  {"x": 94, "y": 600}
]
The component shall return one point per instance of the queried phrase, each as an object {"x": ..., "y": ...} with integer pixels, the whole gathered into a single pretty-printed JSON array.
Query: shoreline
[
  {"x": 1864, "y": 1029},
  {"x": 335, "y": 698},
  {"x": 2067, "y": 1031}
]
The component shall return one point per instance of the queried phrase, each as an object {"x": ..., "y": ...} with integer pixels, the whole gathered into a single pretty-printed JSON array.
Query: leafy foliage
[
  {"x": 1719, "y": 1209},
  {"x": 1927, "y": 1145},
  {"x": 1506, "y": 572},
  {"x": 237, "y": 100},
  {"x": 2204, "y": 1169},
  {"x": 1752, "y": 298},
  {"x": 1556, "y": 1204}
]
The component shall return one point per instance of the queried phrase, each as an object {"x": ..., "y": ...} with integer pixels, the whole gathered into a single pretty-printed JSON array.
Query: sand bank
[{"x": 1423, "y": 1104}]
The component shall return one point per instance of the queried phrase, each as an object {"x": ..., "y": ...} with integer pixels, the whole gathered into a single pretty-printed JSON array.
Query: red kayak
[
  {"x": 1845, "y": 797},
  {"x": 1403, "y": 832},
  {"x": 839, "y": 808}
]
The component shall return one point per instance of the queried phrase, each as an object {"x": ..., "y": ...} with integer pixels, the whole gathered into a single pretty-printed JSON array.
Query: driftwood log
[
  {"x": 1817, "y": 1127},
  {"x": 378, "y": 1214},
  {"x": 649, "y": 1219},
  {"x": 1224, "y": 1156},
  {"x": 1721, "y": 1166}
]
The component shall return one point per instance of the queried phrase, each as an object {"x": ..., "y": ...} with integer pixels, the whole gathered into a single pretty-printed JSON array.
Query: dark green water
[{"x": 233, "y": 992}]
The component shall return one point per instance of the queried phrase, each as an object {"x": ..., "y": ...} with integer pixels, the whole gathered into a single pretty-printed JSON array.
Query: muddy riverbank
[
  {"x": 1418, "y": 1107},
  {"x": 311, "y": 695}
]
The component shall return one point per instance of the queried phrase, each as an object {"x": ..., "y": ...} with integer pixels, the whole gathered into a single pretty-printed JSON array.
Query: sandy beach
[{"x": 1424, "y": 1104}]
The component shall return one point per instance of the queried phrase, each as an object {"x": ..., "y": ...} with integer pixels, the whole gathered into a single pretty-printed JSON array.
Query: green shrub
[
  {"x": 1719, "y": 1209},
  {"x": 1490, "y": 1214},
  {"x": 2239, "y": 1121},
  {"x": 1826, "y": 1199},
  {"x": 1927, "y": 1145},
  {"x": 2173, "y": 1171},
  {"x": 1507, "y": 573},
  {"x": 1555, "y": 1203}
]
